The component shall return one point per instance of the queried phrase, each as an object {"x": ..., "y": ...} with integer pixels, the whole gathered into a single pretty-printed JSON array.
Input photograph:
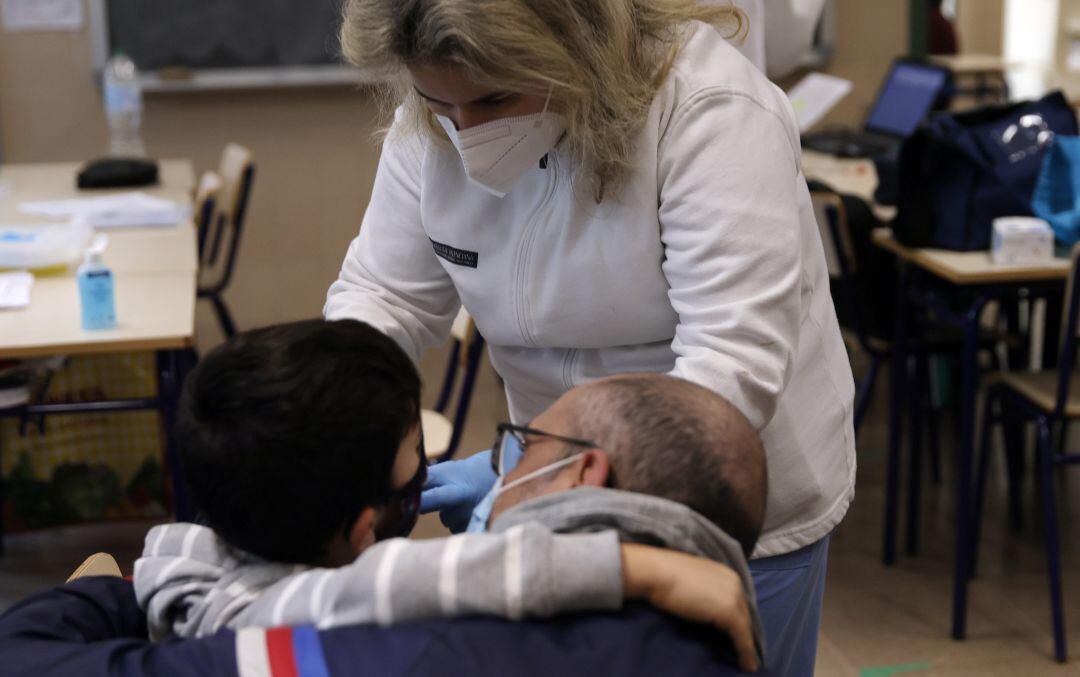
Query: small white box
[{"x": 1022, "y": 240}]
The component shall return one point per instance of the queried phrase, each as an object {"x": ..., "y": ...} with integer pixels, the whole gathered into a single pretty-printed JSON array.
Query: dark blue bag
[{"x": 961, "y": 171}]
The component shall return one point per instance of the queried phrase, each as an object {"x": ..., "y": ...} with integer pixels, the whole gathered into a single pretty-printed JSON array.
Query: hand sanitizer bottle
[{"x": 96, "y": 288}]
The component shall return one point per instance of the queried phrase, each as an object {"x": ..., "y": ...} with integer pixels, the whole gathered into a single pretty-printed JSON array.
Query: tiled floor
[{"x": 878, "y": 621}]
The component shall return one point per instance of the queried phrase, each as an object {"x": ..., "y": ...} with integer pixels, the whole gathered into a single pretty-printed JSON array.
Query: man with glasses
[{"x": 658, "y": 459}]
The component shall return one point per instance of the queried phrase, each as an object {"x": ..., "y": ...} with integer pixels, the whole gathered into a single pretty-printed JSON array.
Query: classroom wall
[
  {"x": 313, "y": 147},
  {"x": 869, "y": 36},
  {"x": 979, "y": 26},
  {"x": 1068, "y": 29}
]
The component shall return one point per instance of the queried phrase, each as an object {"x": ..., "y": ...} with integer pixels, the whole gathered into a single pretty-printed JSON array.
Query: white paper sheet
[
  {"x": 123, "y": 210},
  {"x": 43, "y": 15},
  {"x": 15, "y": 290},
  {"x": 816, "y": 95}
]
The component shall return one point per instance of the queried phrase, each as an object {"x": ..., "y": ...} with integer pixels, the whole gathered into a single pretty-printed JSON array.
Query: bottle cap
[{"x": 96, "y": 249}]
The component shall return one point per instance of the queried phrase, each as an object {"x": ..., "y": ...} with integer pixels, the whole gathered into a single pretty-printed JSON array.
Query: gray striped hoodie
[{"x": 192, "y": 583}]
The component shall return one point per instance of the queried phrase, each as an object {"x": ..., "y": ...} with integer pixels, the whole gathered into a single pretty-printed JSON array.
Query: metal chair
[
  {"x": 840, "y": 258},
  {"x": 219, "y": 243},
  {"x": 442, "y": 435},
  {"x": 1051, "y": 399},
  {"x": 843, "y": 265},
  {"x": 206, "y": 198}
]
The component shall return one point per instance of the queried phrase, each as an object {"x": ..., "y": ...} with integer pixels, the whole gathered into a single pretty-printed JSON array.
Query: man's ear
[
  {"x": 362, "y": 534},
  {"x": 595, "y": 468}
]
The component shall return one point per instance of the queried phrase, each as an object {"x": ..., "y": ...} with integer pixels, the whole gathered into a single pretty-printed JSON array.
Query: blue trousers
[{"x": 790, "y": 589}]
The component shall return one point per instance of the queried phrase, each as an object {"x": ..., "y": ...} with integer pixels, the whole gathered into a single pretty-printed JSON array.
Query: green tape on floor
[{"x": 888, "y": 670}]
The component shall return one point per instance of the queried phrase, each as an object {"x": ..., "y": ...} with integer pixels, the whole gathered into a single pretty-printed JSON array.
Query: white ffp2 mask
[{"x": 497, "y": 153}]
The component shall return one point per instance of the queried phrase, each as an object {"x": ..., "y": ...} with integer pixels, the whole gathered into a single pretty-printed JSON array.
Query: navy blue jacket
[{"x": 94, "y": 626}]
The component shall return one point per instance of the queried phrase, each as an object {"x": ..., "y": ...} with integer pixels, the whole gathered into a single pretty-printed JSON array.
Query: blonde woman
[{"x": 608, "y": 186}]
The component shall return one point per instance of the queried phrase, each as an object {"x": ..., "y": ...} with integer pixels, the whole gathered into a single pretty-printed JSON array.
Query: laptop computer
[{"x": 911, "y": 90}]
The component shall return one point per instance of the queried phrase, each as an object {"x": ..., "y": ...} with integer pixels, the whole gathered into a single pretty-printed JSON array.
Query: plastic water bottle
[{"x": 123, "y": 107}]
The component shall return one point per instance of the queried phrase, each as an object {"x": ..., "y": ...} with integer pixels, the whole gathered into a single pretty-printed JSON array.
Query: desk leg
[
  {"x": 916, "y": 433},
  {"x": 969, "y": 392},
  {"x": 1, "y": 503},
  {"x": 897, "y": 387},
  {"x": 172, "y": 368}
]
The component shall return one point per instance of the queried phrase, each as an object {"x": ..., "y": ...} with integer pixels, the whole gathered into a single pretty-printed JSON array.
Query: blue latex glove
[{"x": 455, "y": 487}]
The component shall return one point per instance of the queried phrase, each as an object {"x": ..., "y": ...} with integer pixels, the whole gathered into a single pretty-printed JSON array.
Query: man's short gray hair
[{"x": 670, "y": 438}]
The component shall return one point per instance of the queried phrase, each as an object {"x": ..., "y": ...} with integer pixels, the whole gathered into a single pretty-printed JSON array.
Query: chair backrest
[
  {"x": 832, "y": 218},
  {"x": 835, "y": 233},
  {"x": 1070, "y": 326},
  {"x": 98, "y": 564},
  {"x": 206, "y": 201},
  {"x": 237, "y": 173},
  {"x": 466, "y": 349}
]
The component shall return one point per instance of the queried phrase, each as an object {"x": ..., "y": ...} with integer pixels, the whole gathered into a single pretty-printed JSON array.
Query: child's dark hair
[{"x": 286, "y": 433}]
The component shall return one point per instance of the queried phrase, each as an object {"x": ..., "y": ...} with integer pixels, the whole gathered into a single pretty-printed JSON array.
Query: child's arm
[{"x": 525, "y": 571}]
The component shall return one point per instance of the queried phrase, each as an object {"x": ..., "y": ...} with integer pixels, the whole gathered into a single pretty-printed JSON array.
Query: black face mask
[{"x": 402, "y": 507}]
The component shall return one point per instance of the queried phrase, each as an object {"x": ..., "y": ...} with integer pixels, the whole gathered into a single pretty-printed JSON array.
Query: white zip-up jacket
[{"x": 707, "y": 264}]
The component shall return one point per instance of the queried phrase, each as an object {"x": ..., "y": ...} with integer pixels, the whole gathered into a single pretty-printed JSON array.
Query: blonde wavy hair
[{"x": 602, "y": 60}]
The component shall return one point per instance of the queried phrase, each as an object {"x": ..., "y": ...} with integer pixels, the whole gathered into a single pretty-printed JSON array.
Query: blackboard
[{"x": 209, "y": 34}]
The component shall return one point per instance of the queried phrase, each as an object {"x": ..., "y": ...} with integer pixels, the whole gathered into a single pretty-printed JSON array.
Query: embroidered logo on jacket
[{"x": 460, "y": 257}]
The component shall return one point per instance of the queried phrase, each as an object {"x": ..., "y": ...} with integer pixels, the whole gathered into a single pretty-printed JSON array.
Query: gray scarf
[{"x": 638, "y": 518}]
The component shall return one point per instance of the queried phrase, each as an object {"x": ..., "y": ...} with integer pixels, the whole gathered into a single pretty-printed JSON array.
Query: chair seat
[
  {"x": 437, "y": 433},
  {"x": 1040, "y": 388}
]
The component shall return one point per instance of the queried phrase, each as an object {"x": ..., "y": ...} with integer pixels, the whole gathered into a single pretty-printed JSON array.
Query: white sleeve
[
  {"x": 729, "y": 223},
  {"x": 391, "y": 278}
]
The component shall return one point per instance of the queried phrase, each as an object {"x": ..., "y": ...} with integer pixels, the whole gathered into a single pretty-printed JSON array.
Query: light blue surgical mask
[{"x": 478, "y": 523}]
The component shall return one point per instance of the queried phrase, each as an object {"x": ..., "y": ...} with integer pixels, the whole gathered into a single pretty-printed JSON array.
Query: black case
[{"x": 118, "y": 173}]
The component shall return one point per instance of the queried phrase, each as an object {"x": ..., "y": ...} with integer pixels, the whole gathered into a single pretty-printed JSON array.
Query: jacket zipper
[{"x": 526, "y": 247}]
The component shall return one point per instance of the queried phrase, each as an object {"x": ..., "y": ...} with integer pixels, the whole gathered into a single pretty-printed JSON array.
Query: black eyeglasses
[
  {"x": 403, "y": 504},
  {"x": 511, "y": 444}
]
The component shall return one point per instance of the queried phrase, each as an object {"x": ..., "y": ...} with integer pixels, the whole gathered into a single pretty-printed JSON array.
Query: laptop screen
[{"x": 906, "y": 98}]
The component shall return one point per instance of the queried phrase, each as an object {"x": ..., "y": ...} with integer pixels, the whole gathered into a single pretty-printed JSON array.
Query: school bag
[{"x": 962, "y": 170}]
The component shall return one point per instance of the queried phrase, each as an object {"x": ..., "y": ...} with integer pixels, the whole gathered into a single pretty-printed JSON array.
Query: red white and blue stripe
[{"x": 280, "y": 652}]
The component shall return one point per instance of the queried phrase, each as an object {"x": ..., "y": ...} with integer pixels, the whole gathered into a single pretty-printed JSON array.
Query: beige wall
[
  {"x": 979, "y": 26},
  {"x": 870, "y": 35},
  {"x": 316, "y": 161},
  {"x": 1068, "y": 29}
]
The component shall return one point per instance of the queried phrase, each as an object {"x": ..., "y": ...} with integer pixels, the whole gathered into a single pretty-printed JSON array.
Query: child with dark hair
[
  {"x": 302, "y": 447},
  {"x": 292, "y": 435}
]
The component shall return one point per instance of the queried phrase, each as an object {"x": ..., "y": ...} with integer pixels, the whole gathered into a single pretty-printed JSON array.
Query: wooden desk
[
  {"x": 970, "y": 268},
  {"x": 154, "y": 312},
  {"x": 974, "y": 64},
  {"x": 155, "y": 272},
  {"x": 856, "y": 177},
  {"x": 155, "y": 269},
  {"x": 983, "y": 281}
]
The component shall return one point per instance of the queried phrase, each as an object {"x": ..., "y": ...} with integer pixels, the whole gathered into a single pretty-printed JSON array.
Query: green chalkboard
[{"x": 208, "y": 34}]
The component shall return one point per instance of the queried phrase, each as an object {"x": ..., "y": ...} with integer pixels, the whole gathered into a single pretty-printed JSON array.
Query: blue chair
[
  {"x": 442, "y": 434},
  {"x": 1051, "y": 399}
]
